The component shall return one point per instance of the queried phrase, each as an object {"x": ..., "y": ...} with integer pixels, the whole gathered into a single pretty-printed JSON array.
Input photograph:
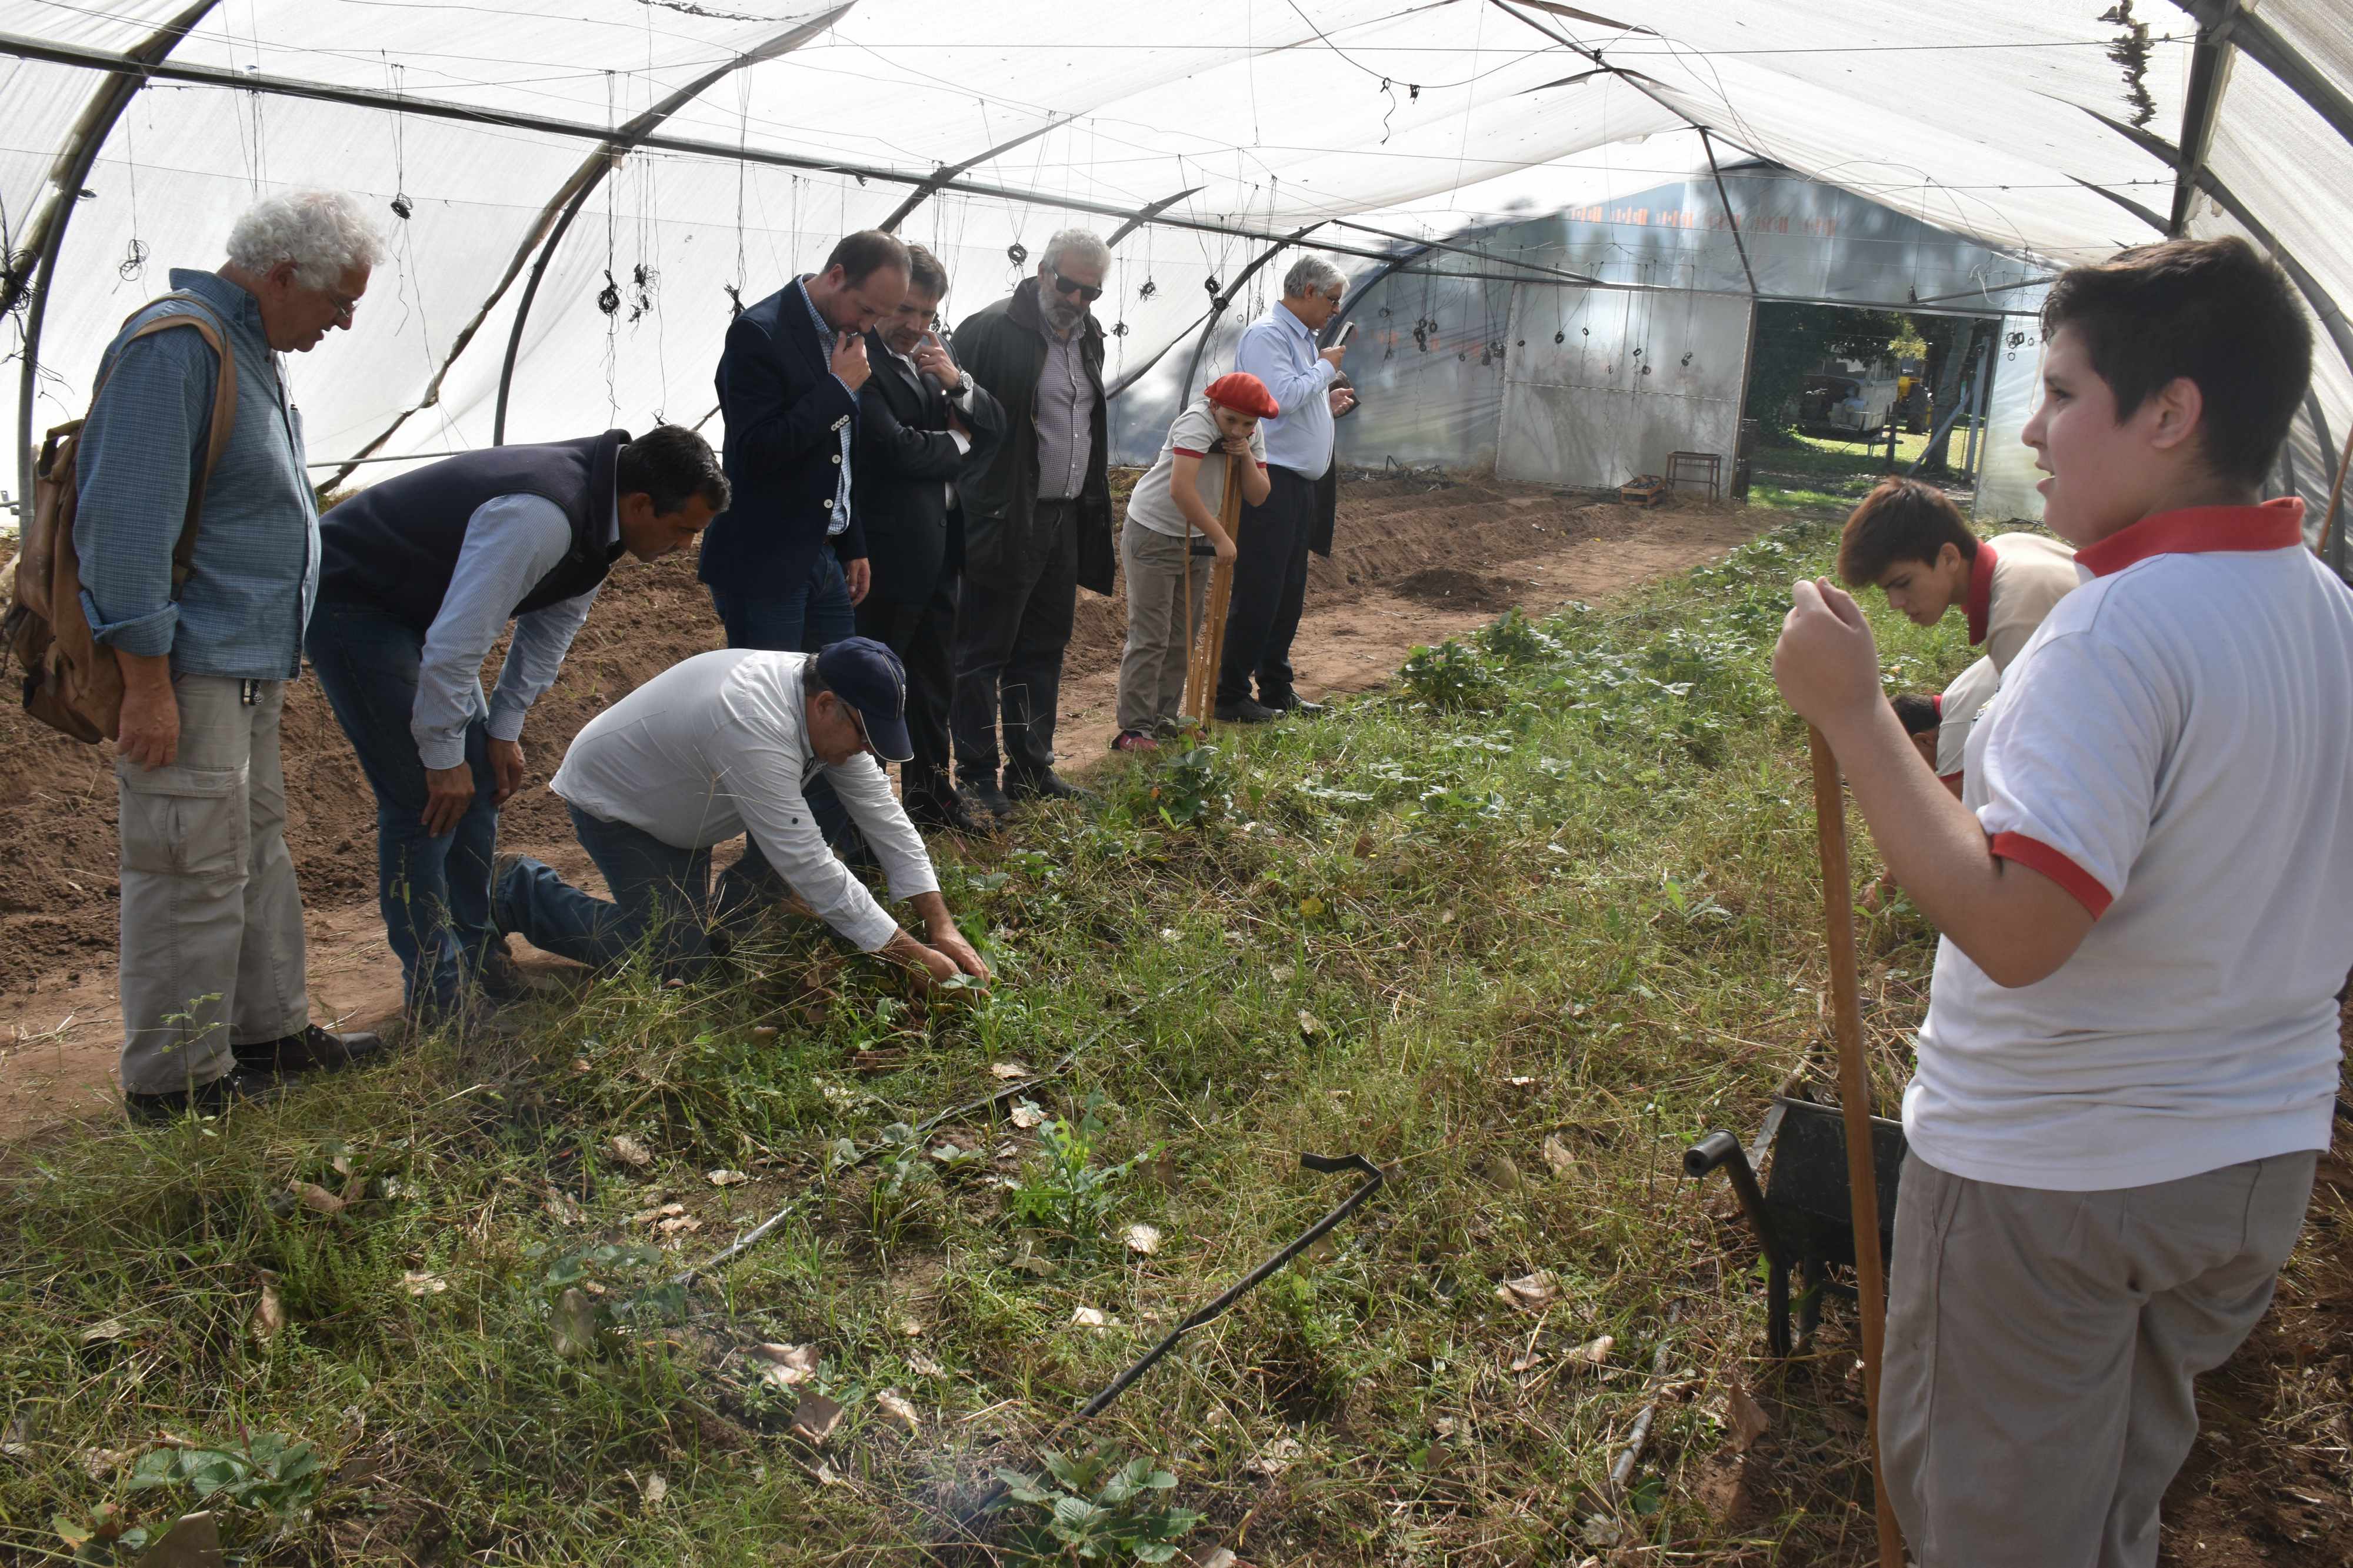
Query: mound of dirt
[
  {"x": 58, "y": 849},
  {"x": 1451, "y": 588}
]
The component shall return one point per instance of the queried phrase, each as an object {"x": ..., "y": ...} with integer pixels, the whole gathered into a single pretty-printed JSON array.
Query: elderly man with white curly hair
[{"x": 214, "y": 1004}]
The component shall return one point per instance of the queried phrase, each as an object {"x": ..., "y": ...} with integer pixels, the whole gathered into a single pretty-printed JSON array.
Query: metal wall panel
[{"x": 1633, "y": 377}]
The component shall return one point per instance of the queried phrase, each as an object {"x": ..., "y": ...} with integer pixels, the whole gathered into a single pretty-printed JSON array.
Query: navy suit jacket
[{"x": 785, "y": 414}]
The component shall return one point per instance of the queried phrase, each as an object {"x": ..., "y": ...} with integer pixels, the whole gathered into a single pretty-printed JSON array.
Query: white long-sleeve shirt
[
  {"x": 718, "y": 745},
  {"x": 511, "y": 541}
]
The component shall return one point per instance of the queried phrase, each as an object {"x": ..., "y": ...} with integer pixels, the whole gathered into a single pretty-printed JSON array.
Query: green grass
[
  {"x": 1558, "y": 890},
  {"x": 1820, "y": 471}
]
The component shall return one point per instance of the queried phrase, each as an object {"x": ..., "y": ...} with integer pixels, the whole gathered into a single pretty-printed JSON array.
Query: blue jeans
[
  {"x": 802, "y": 619},
  {"x": 434, "y": 893},
  {"x": 660, "y": 891}
]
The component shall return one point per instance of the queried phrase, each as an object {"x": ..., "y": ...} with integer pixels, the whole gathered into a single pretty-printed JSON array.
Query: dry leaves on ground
[{"x": 1529, "y": 1289}]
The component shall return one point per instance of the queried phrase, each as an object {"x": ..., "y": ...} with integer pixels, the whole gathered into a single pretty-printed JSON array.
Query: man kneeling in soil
[{"x": 721, "y": 745}]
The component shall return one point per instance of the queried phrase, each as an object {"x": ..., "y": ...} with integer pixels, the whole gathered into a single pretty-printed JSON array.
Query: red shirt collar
[
  {"x": 2272, "y": 525},
  {"x": 1979, "y": 603}
]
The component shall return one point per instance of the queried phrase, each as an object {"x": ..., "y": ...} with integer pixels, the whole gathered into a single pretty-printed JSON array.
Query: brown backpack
[{"x": 72, "y": 683}]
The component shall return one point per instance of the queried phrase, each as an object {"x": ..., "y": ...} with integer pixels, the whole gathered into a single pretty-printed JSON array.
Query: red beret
[{"x": 1244, "y": 394}]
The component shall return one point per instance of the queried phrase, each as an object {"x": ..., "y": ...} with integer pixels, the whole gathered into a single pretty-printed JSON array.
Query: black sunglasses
[{"x": 1087, "y": 294}]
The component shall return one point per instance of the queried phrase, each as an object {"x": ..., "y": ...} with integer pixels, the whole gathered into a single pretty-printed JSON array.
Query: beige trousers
[
  {"x": 212, "y": 920},
  {"x": 2037, "y": 1395},
  {"x": 1159, "y": 626}
]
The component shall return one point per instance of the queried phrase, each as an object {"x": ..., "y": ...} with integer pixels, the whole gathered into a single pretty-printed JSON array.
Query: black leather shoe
[
  {"x": 1047, "y": 786},
  {"x": 952, "y": 815},
  {"x": 1292, "y": 702},
  {"x": 986, "y": 794},
  {"x": 312, "y": 1051},
  {"x": 205, "y": 1099},
  {"x": 1245, "y": 712}
]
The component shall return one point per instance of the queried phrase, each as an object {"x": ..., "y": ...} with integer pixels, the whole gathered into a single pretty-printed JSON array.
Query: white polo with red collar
[
  {"x": 2014, "y": 579},
  {"x": 2171, "y": 748}
]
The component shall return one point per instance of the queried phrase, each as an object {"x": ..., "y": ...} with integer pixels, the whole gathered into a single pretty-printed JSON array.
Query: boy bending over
[
  {"x": 2146, "y": 894},
  {"x": 1913, "y": 542}
]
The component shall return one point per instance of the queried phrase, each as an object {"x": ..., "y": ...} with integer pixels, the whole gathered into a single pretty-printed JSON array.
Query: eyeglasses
[
  {"x": 857, "y": 723},
  {"x": 1086, "y": 292}
]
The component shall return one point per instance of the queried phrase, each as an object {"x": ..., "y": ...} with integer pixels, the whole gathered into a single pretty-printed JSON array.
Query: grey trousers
[
  {"x": 212, "y": 920},
  {"x": 1159, "y": 626},
  {"x": 2037, "y": 1397}
]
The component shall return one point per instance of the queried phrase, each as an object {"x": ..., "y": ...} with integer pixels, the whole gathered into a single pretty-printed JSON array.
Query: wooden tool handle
[
  {"x": 1206, "y": 644},
  {"x": 1854, "y": 1101}
]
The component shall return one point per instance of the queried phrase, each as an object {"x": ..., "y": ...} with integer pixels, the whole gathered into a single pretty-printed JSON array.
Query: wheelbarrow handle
[{"x": 1722, "y": 1150}]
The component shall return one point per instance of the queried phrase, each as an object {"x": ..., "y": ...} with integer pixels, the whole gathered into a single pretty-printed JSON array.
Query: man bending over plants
[{"x": 721, "y": 746}]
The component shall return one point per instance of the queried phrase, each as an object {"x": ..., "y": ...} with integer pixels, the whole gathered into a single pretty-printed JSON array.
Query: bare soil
[{"x": 1404, "y": 548}]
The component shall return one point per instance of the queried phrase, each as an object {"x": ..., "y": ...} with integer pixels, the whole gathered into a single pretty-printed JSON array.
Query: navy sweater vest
[{"x": 395, "y": 544}]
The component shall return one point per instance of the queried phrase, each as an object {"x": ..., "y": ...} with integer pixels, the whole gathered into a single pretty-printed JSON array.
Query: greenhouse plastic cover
[{"x": 1989, "y": 121}]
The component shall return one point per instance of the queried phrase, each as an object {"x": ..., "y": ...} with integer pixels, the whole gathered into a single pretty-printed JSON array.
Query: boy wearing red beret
[
  {"x": 1180, "y": 497},
  {"x": 2130, "y": 1060}
]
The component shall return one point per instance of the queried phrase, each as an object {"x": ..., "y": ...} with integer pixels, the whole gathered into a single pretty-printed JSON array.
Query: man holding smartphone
[{"x": 1270, "y": 574}]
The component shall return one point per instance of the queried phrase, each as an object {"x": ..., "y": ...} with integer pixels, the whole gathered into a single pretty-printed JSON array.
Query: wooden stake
[
  {"x": 1854, "y": 1100},
  {"x": 1207, "y": 641},
  {"x": 2335, "y": 494}
]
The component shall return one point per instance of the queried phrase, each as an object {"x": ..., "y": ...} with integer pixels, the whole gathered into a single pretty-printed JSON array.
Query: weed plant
[{"x": 1520, "y": 951}]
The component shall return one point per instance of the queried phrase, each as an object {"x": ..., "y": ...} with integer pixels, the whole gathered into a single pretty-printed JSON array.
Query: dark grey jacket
[{"x": 1004, "y": 347}]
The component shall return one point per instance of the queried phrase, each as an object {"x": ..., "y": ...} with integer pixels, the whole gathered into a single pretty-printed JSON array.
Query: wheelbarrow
[{"x": 1803, "y": 1217}]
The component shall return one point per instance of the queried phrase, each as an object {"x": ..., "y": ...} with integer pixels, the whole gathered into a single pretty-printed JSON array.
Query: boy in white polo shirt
[
  {"x": 1913, "y": 542},
  {"x": 2130, "y": 1059}
]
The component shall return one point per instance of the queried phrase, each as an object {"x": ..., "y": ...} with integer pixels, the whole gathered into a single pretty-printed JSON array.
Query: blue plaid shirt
[
  {"x": 256, "y": 570},
  {"x": 825, "y": 337}
]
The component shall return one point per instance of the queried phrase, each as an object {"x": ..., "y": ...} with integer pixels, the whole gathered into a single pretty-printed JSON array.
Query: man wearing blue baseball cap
[{"x": 721, "y": 745}]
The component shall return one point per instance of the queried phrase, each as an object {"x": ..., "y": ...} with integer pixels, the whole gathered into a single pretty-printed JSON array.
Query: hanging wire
[
  {"x": 742, "y": 139},
  {"x": 401, "y": 205},
  {"x": 609, "y": 299},
  {"x": 133, "y": 265}
]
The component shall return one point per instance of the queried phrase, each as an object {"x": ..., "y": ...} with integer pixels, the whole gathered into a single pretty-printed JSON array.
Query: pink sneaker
[{"x": 1133, "y": 740}]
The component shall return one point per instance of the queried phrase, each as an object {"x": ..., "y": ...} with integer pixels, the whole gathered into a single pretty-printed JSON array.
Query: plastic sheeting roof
[{"x": 1413, "y": 117}]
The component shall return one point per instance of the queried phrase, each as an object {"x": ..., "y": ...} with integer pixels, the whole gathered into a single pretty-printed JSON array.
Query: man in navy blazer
[{"x": 787, "y": 561}]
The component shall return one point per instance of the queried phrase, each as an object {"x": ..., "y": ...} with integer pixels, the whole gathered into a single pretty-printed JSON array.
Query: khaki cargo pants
[
  {"x": 212, "y": 921},
  {"x": 1160, "y": 624},
  {"x": 2037, "y": 1395}
]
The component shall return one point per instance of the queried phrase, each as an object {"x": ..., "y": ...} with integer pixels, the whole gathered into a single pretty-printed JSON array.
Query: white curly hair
[
  {"x": 1312, "y": 275},
  {"x": 1079, "y": 245},
  {"x": 322, "y": 233}
]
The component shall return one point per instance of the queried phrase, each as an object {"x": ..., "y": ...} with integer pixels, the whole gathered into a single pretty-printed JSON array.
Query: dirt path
[{"x": 1415, "y": 564}]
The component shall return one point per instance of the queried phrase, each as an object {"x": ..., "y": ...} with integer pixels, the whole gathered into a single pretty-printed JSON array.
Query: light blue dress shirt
[
  {"x": 1279, "y": 350},
  {"x": 825, "y": 335},
  {"x": 511, "y": 541}
]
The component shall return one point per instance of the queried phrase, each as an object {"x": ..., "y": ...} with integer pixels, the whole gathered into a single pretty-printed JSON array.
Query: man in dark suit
[
  {"x": 920, "y": 422},
  {"x": 786, "y": 564}
]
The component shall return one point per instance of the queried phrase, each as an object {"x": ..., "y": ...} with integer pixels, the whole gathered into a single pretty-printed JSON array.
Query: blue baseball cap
[{"x": 870, "y": 678}]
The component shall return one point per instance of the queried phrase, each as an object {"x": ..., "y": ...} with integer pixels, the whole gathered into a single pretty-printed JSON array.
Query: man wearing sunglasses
[{"x": 1037, "y": 522}]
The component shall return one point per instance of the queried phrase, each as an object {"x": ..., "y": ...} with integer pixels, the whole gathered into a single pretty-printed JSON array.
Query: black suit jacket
[
  {"x": 904, "y": 461},
  {"x": 785, "y": 412}
]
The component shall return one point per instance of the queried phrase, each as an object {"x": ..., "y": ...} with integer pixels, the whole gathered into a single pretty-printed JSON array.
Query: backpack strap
[{"x": 222, "y": 424}]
